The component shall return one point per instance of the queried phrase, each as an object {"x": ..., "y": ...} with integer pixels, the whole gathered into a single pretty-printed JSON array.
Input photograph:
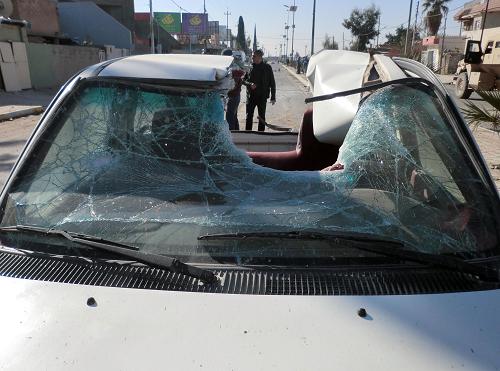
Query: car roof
[{"x": 184, "y": 67}]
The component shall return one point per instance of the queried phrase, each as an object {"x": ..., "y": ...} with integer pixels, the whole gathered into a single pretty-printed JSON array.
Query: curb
[
  {"x": 302, "y": 80},
  {"x": 21, "y": 113}
]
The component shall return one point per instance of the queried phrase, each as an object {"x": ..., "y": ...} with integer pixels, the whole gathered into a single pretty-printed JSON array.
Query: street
[
  {"x": 13, "y": 136},
  {"x": 289, "y": 107}
]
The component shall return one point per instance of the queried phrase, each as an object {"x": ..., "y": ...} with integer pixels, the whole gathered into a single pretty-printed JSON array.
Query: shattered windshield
[{"x": 156, "y": 167}]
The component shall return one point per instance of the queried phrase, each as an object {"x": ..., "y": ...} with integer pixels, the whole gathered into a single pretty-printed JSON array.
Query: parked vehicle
[
  {"x": 136, "y": 235},
  {"x": 478, "y": 70}
]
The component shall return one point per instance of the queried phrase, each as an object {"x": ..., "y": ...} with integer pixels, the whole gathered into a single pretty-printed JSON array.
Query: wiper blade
[
  {"x": 127, "y": 251},
  {"x": 375, "y": 244}
]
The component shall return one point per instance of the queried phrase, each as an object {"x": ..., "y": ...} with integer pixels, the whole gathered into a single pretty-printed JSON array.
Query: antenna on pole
[{"x": 483, "y": 23}]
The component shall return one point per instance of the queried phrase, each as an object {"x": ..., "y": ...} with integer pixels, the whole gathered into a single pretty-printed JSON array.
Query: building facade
[
  {"x": 120, "y": 10},
  {"x": 473, "y": 15}
]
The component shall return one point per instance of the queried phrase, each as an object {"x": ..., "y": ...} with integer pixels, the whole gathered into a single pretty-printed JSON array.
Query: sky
[{"x": 270, "y": 16}]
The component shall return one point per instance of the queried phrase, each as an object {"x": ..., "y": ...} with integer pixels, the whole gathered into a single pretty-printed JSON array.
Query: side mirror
[{"x": 473, "y": 53}]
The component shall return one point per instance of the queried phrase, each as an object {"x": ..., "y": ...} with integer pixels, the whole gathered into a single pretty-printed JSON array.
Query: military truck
[{"x": 478, "y": 70}]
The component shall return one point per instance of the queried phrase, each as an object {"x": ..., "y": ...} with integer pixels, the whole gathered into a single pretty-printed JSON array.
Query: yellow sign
[
  {"x": 195, "y": 21},
  {"x": 168, "y": 19}
]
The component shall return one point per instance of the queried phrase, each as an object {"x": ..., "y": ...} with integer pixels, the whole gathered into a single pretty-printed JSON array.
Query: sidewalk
[
  {"x": 24, "y": 103},
  {"x": 299, "y": 76},
  {"x": 489, "y": 144}
]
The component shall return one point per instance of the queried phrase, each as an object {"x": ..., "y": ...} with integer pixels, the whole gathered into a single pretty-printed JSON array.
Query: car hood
[{"x": 52, "y": 326}]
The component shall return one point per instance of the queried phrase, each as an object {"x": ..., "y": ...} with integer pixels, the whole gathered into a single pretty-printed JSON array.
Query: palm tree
[
  {"x": 435, "y": 10},
  {"x": 476, "y": 115}
]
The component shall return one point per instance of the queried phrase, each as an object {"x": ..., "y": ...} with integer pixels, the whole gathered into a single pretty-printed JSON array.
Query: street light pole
[
  {"x": 286, "y": 29},
  {"x": 151, "y": 26},
  {"x": 314, "y": 22},
  {"x": 293, "y": 8}
]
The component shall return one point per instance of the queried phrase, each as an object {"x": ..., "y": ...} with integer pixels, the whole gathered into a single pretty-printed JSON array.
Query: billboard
[
  {"x": 194, "y": 23},
  {"x": 170, "y": 22}
]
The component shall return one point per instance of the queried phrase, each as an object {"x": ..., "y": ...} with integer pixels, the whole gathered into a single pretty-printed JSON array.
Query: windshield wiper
[
  {"x": 152, "y": 260},
  {"x": 375, "y": 244}
]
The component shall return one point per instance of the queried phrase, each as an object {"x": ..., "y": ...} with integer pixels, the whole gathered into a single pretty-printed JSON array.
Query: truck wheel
[{"x": 462, "y": 89}]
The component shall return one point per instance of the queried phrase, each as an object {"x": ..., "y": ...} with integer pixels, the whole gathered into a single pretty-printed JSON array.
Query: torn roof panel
[{"x": 187, "y": 67}]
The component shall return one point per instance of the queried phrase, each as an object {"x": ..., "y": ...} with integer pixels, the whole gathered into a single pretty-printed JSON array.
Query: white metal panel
[
  {"x": 19, "y": 51},
  {"x": 389, "y": 69},
  {"x": 9, "y": 75},
  {"x": 50, "y": 326},
  {"x": 171, "y": 67},
  {"x": 332, "y": 71},
  {"x": 6, "y": 52},
  {"x": 23, "y": 74}
]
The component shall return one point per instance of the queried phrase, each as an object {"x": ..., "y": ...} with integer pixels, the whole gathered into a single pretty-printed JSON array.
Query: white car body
[{"x": 49, "y": 326}]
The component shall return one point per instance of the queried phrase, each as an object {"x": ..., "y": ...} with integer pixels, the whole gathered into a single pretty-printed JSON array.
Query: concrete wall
[
  {"x": 87, "y": 23},
  {"x": 52, "y": 65},
  {"x": 41, "y": 14}
]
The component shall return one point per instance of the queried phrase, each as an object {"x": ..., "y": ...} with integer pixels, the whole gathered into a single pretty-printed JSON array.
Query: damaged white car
[{"x": 138, "y": 233}]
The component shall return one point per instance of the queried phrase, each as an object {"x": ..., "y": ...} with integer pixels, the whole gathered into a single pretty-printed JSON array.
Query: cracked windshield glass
[{"x": 212, "y": 135}]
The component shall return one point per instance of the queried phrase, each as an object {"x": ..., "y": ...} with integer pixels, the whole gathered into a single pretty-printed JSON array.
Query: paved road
[
  {"x": 289, "y": 107},
  {"x": 13, "y": 136}
]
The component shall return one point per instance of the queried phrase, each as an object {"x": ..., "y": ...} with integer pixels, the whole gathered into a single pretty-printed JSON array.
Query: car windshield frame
[{"x": 148, "y": 86}]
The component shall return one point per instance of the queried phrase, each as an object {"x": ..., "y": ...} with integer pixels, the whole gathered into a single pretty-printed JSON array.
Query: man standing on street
[{"x": 260, "y": 83}]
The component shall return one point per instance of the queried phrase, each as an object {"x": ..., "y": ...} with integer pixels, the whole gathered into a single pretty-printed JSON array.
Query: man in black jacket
[{"x": 260, "y": 83}]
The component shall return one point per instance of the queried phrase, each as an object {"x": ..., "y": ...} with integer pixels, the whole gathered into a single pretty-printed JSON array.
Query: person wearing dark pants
[
  {"x": 234, "y": 100},
  {"x": 261, "y": 110},
  {"x": 260, "y": 84}
]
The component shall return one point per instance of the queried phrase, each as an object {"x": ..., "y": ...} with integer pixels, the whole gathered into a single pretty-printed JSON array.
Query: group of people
[
  {"x": 260, "y": 85},
  {"x": 302, "y": 63}
]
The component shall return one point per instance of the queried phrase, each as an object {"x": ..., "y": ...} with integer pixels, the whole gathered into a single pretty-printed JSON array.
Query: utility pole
[
  {"x": 415, "y": 27},
  {"x": 378, "y": 29},
  {"x": 442, "y": 42},
  {"x": 408, "y": 29},
  {"x": 293, "y": 9},
  {"x": 227, "y": 26},
  {"x": 314, "y": 22},
  {"x": 151, "y": 20},
  {"x": 343, "y": 40}
]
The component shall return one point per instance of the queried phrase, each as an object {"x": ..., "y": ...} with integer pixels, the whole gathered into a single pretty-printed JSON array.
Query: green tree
[
  {"x": 363, "y": 26},
  {"x": 330, "y": 43},
  {"x": 435, "y": 10},
  {"x": 399, "y": 37},
  {"x": 240, "y": 37}
]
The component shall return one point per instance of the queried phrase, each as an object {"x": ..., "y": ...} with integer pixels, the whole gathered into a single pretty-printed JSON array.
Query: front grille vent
[{"x": 234, "y": 281}]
